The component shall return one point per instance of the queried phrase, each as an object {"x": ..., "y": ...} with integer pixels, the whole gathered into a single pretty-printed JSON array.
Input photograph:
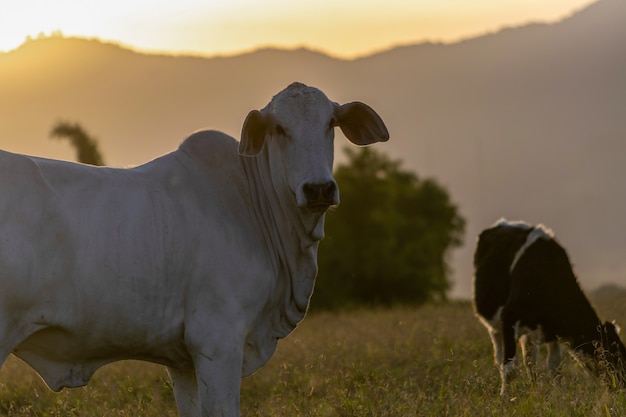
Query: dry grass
[{"x": 431, "y": 361}]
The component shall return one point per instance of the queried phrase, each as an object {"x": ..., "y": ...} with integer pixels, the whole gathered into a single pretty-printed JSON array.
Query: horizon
[{"x": 347, "y": 31}]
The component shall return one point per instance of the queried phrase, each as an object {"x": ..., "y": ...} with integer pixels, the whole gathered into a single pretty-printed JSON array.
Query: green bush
[{"x": 387, "y": 241}]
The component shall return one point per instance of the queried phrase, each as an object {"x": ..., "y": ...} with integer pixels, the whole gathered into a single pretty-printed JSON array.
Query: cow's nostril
[
  {"x": 311, "y": 191},
  {"x": 320, "y": 193},
  {"x": 328, "y": 190}
]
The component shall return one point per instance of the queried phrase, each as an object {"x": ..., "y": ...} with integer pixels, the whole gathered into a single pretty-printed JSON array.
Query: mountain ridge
[{"x": 526, "y": 122}]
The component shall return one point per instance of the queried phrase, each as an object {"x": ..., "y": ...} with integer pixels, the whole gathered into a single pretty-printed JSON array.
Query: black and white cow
[{"x": 525, "y": 290}]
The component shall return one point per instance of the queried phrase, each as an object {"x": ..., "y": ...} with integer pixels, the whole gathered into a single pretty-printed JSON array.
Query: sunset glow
[{"x": 347, "y": 28}]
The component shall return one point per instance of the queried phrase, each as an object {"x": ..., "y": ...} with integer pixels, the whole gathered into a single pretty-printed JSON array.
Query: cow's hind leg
[
  {"x": 496, "y": 341},
  {"x": 528, "y": 355},
  {"x": 496, "y": 333},
  {"x": 494, "y": 328},
  {"x": 554, "y": 358},
  {"x": 509, "y": 341},
  {"x": 185, "y": 391},
  {"x": 529, "y": 341}
]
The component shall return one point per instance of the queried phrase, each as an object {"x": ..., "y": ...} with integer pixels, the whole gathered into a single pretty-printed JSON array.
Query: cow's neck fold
[{"x": 291, "y": 239}]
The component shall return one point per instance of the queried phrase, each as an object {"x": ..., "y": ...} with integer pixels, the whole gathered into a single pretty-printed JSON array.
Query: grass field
[{"x": 430, "y": 361}]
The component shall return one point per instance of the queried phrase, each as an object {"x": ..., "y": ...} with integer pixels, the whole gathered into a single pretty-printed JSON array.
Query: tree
[
  {"x": 86, "y": 147},
  {"x": 387, "y": 242}
]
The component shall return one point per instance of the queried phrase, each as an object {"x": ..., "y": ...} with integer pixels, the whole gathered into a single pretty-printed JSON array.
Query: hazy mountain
[{"x": 527, "y": 123}]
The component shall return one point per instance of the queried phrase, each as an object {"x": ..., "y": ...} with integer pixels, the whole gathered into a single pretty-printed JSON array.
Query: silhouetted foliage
[
  {"x": 86, "y": 147},
  {"x": 387, "y": 242}
]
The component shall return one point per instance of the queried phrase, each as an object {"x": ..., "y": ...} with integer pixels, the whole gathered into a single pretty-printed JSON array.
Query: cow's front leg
[
  {"x": 218, "y": 376},
  {"x": 185, "y": 391},
  {"x": 216, "y": 349}
]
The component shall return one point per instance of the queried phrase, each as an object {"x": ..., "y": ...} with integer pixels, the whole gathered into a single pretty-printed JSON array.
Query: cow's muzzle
[{"x": 320, "y": 196}]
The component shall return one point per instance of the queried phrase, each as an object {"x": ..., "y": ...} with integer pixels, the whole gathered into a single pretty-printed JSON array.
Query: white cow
[{"x": 199, "y": 260}]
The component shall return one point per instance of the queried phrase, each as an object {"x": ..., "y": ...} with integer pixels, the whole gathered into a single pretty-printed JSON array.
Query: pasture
[{"x": 435, "y": 360}]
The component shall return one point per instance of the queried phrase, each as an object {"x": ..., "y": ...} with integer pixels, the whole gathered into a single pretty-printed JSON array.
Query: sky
[{"x": 346, "y": 29}]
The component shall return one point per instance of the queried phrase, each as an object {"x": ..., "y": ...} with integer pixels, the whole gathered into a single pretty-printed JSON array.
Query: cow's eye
[{"x": 279, "y": 130}]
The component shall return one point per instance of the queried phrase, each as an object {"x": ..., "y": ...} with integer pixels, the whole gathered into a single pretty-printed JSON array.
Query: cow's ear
[
  {"x": 252, "y": 134},
  {"x": 360, "y": 123}
]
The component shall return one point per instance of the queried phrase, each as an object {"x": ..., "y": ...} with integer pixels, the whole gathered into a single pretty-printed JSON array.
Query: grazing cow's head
[{"x": 297, "y": 128}]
